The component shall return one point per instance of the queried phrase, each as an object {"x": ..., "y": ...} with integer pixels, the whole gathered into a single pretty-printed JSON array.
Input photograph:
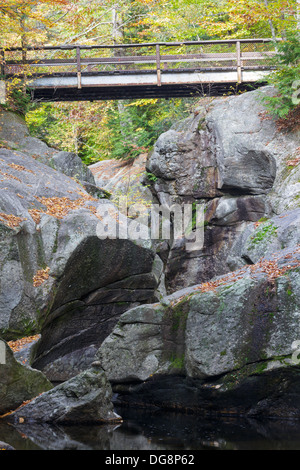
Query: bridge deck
[{"x": 72, "y": 73}]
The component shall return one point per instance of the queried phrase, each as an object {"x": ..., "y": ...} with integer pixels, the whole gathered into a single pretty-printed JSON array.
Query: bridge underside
[
  {"x": 137, "y": 92},
  {"x": 114, "y": 86}
]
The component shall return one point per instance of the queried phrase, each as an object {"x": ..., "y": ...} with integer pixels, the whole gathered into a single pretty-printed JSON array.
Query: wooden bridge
[{"x": 151, "y": 70}]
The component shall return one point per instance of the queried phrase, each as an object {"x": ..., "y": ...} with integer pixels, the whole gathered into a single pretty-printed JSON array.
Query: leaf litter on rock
[{"x": 268, "y": 267}]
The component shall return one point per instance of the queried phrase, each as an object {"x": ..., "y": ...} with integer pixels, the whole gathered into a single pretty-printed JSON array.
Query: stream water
[{"x": 158, "y": 431}]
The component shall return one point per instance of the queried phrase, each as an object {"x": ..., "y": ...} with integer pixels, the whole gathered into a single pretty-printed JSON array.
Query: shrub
[{"x": 286, "y": 78}]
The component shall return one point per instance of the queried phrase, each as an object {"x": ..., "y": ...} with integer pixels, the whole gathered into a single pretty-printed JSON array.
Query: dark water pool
[{"x": 158, "y": 431}]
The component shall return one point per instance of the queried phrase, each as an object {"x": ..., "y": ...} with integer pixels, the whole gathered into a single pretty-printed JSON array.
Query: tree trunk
[
  {"x": 118, "y": 36},
  {"x": 117, "y": 30},
  {"x": 272, "y": 27},
  {"x": 24, "y": 46}
]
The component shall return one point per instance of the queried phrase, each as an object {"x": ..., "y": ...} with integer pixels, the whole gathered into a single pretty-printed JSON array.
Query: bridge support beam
[
  {"x": 137, "y": 92},
  {"x": 191, "y": 78}
]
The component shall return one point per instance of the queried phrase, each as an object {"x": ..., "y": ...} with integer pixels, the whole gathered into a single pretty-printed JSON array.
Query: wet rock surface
[
  {"x": 232, "y": 161},
  {"x": 224, "y": 346},
  {"x": 57, "y": 276},
  {"x": 85, "y": 398},
  {"x": 18, "y": 382},
  {"x": 224, "y": 340}
]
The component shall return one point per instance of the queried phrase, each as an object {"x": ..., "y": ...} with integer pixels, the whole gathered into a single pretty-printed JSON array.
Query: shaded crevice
[
  {"x": 219, "y": 377},
  {"x": 247, "y": 259}
]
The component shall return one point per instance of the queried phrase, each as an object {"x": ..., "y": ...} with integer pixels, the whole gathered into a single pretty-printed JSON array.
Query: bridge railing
[{"x": 235, "y": 54}]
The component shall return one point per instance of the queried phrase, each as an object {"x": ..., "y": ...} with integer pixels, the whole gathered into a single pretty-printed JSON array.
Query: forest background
[{"x": 123, "y": 129}]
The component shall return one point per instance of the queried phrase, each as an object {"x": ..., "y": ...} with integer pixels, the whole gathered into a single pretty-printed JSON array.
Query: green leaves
[
  {"x": 136, "y": 126},
  {"x": 289, "y": 50},
  {"x": 285, "y": 78}
]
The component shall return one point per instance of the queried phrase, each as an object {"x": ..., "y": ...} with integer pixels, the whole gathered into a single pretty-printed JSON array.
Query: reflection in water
[{"x": 142, "y": 430}]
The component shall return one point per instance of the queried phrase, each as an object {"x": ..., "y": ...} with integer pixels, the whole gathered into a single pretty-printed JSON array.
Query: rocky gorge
[{"x": 149, "y": 324}]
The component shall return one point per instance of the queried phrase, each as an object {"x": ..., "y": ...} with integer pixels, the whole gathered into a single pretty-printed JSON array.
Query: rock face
[
  {"x": 5, "y": 446},
  {"x": 71, "y": 165},
  {"x": 184, "y": 163},
  {"x": 227, "y": 346},
  {"x": 18, "y": 382},
  {"x": 34, "y": 200},
  {"x": 80, "y": 321},
  {"x": 225, "y": 338},
  {"x": 123, "y": 179},
  {"x": 14, "y": 135},
  {"x": 229, "y": 343},
  {"x": 85, "y": 398},
  {"x": 233, "y": 162},
  {"x": 57, "y": 276},
  {"x": 264, "y": 238}
]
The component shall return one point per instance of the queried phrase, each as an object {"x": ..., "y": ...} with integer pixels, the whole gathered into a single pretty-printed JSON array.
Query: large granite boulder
[
  {"x": 86, "y": 398},
  {"x": 14, "y": 135},
  {"x": 184, "y": 163},
  {"x": 230, "y": 158},
  {"x": 225, "y": 346},
  {"x": 58, "y": 276},
  {"x": 263, "y": 238},
  {"x": 18, "y": 383},
  {"x": 245, "y": 159},
  {"x": 35, "y": 199},
  {"x": 5, "y": 446},
  {"x": 123, "y": 179}
]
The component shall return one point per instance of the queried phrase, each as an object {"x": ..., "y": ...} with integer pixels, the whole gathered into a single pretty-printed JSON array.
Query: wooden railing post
[
  {"x": 158, "y": 71},
  {"x": 239, "y": 62},
  {"x": 2, "y": 63},
  {"x": 78, "y": 67}
]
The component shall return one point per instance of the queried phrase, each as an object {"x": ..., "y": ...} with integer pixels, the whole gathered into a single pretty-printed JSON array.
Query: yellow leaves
[
  {"x": 293, "y": 162},
  {"x": 21, "y": 420},
  {"x": 241, "y": 18},
  {"x": 145, "y": 2},
  {"x": 142, "y": 102},
  {"x": 14, "y": 8},
  {"x": 53, "y": 2},
  {"x": 24, "y": 21},
  {"x": 11, "y": 220},
  {"x": 41, "y": 276},
  {"x": 268, "y": 267},
  {"x": 19, "y": 167},
  {"x": 7, "y": 175},
  {"x": 60, "y": 206},
  {"x": 19, "y": 344},
  {"x": 35, "y": 215}
]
